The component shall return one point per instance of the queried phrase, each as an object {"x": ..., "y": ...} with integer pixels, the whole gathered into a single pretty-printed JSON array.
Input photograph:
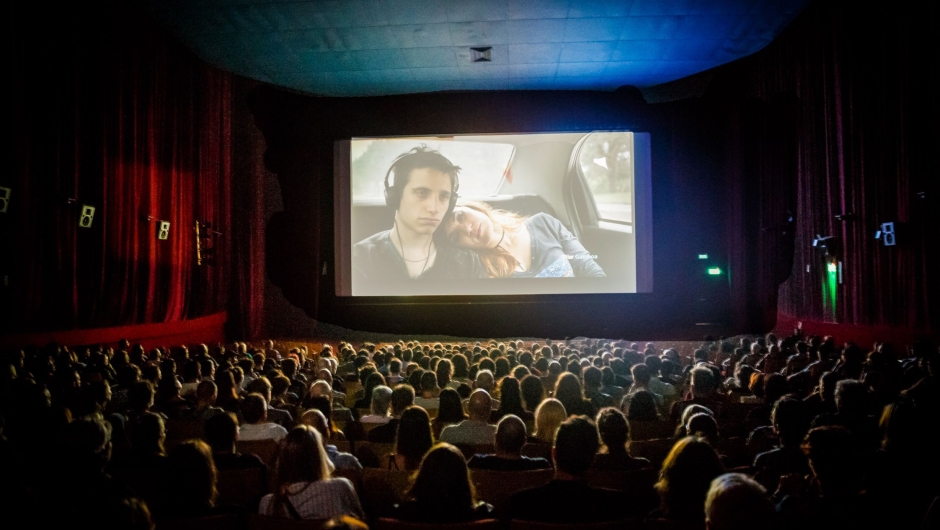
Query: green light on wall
[
  {"x": 830, "y": 289},
  {"x": 703, "y": 256},
  {"x": 714, "y": 271}
]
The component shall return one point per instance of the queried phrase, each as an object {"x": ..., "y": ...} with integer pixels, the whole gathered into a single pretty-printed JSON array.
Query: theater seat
[
  {"x": 266, "y": 450},
  {"x": 267, "y": 522},
  {"x": 382, "y": 490},
  {"x": 395, "y": 524},
  {"x": 621, "y": 524},
  {"x": 215, "y": 522},
  {"x": 496, "y": 487},
  {"x": 242, "y": 487}
]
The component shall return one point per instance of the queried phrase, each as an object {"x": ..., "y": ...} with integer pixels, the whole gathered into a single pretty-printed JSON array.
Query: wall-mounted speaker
[
  {"x": 163, "y": 230},
  {"x": 887, "y": 234},
  {"x": 88, "y": 215},
  {"x": 4, "y": 199}
]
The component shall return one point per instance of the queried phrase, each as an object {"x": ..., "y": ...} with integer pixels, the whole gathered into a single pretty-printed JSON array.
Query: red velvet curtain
[
  {"x": 113, "y": 114},
  {"x": 866, "y": 113}
]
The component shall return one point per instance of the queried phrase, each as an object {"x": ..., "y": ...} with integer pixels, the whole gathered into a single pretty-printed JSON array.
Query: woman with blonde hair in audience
[
  {"x": 550, "y": 414},
  {"x": 441, "y": 490},
  {"x": 305, "y": 489}
]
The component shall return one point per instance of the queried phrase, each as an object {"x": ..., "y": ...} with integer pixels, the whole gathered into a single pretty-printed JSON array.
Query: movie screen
[{"x": 519, "y": 214}]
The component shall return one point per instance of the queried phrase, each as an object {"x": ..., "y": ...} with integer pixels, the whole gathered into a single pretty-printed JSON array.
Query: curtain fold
[{"x": 114, "y": 115}]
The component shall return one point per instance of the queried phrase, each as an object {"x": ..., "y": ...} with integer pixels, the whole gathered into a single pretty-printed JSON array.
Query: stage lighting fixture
[
  {"x": 703, "y": 256},
  {"x": 714, "y": 271}
]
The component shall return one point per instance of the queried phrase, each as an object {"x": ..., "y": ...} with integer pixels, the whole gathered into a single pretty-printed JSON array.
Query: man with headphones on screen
[{"x": 422, "y": 192}]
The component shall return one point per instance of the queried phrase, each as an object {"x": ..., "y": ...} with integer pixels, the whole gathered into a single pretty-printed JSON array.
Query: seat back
[
  {"x": 638, "y": 486},
  {"x": 653, "y": 450},
  {"x": 651, "y": 430},
  {"x": 374, "y": 454},
  {"x": 497, "y": 487},
  {"x": 394, "y": 524},
  {"x": 242, "y": 487},
  {"x": 621, "y": 524},
  {"x": 266, "y": 450},
  {"x": 267, "y": 522},
  {"x": 382, "y": 490},
  {"x": 214, "y": 522}
]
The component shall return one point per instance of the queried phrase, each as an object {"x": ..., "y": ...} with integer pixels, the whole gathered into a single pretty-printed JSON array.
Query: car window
[
  {"x": 483, "y": 164},
  {"x": 606, "y": 163}
]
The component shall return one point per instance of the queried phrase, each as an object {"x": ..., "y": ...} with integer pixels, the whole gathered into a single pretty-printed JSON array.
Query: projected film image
[{"x": 497, "y": 214}]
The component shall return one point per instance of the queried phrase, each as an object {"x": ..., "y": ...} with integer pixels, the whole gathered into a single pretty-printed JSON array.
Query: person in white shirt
[
  {"x": 476, "y": 430},
  {"x": 257, "y": 426}
]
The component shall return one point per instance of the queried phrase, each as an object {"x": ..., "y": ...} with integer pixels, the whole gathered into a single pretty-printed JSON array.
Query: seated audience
[
  {"x": 189, "y": 484},
  {"x": 568, "y": 391},
  {"x": 373, "y": 380},
  {"x": 222, "y": 435},
  {"x": 381, "y": 400},
  {"x": 147, "y": 433},
  {"x": 428, "y": 399},
  {"x": 737, "y": 502},
  {"x": 413, "y": 439},
  {"x": 684, "y": 480},
  {"x": 533, "y": 392},
  {"x": 403, "y": 396},
  {"x": 790, "y": 425},
  {"x": 261, "y": 385},
  {"x": 206, "y": 395},
  {"x": 450, "y": 412},
  {"x": 640, "y": 406},
  {"x": 475, "y": 430},
  {"x": 510, "y": 437},
  {"x": 441, "y": 491},
  {"x": 305, "y": 489},
  {"x": 510, "y": 401},
  {"x": 257, "y": 426},
  {"x": 615, "y": 432},
  {"x": 567, "y": 498},
  {"x": 550, "y": 414},
  {"x": 341, "y": 461}
]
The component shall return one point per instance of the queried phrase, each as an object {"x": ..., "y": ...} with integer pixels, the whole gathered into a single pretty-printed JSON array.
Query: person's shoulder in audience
[
  {"x": 280, "y": 417},
  {"x": 261, "y": 431},
  {"x": 237, "y": 461},
  {"x": 341, "y": 460},
  {"x": 384, "y": 433},
  {"x": 496, "y": 463}
]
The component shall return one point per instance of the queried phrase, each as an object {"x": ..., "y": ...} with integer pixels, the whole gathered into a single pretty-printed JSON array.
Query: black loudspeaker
[
  {"x": 4, "y": 199},
  {"x": 163, "y": 230},
  {"x": 888, "y": 235},
  {"x": 88, "y": 215}
]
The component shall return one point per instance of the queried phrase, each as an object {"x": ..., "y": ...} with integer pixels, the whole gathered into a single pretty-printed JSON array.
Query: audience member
[
  {"x": 510, "y": 437},
  {"x": 305, "y": 489},
  {"x": 403, "y": 396},
  {"x": 615, "y": 432},
  {"x": 257, "y": 426},
  {"x": 441, "y": 491},
  {"x": 475, "y": 430},
  {"x": 573, "y": 453}
]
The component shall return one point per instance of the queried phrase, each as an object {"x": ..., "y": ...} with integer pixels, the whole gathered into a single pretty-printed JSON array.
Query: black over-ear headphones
[{"x": 393, "y": 192}]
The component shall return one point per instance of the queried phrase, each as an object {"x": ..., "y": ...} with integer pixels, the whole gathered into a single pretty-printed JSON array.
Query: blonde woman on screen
[{"x": 513, "y": 246}]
